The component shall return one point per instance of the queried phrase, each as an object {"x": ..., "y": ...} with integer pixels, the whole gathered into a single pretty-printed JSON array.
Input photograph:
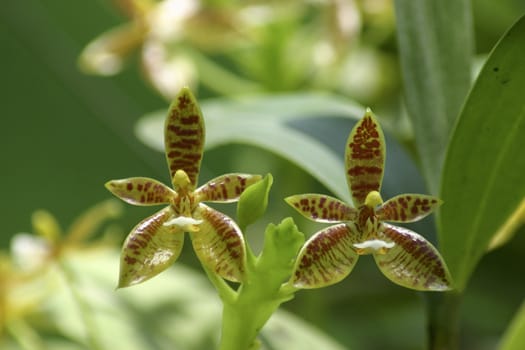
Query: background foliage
[{"x": 66, "y": 133}]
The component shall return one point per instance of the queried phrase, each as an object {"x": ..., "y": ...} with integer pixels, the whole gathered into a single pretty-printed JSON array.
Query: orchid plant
[
  {"x": 283, "y": 267},
  {"x": 403, "y": 256},
  {"x": 156, "y": 242}
]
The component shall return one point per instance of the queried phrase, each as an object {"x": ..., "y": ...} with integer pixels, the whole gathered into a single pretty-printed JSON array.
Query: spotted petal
[
  {"x": 149, "y": 249},
  {"x": 365, "y": 158},
  {"x": 225, "y": 188},
  {"x": 407, "y": 207},
  {"x": 321, "y": 208},
  {"x": 141, "y": 191},
  {"x": 219, "y": 243},
  {"x": 184, "y": 136},
  {"x": 413, "y": 262},
  {"x": 326, "y": 258}
]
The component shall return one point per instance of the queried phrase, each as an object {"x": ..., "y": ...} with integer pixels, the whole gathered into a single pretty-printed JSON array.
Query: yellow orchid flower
[
  {"x": 403, "y": 256},
  {"x": 156, "y": 242}
]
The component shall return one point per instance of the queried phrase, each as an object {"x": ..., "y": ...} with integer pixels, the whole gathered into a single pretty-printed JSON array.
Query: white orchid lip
[
  {"x": 184, "y": 222},
  {"x": 373, "y": 246}
]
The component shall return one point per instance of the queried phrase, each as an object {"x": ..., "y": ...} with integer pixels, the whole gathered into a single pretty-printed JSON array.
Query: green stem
[
  {"x": 443, "y": 320},
  {"x": 244, "y": 318}
]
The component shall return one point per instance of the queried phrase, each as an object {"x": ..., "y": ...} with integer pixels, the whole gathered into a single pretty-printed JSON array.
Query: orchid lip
[
  {"x": 184, "y": 222},
  {"x": 373, "y": 246}
]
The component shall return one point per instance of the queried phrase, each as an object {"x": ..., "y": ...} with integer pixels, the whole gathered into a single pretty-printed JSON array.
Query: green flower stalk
[{"x": 156, "y": 242}]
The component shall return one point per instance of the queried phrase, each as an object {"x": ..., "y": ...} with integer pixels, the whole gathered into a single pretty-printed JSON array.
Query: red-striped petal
[
  {"x": 321, "y": 208},
  {"x": 184, "y": 136},
  {"x": 365, "y": 158},
  {"x": 141, "y": 191},
  {"x": 225, "y": 188},
  {"x": 149, "y": 249},
  {"x": 407, "y": 207},
  {"x": 219, "y": 244},
  {"x": 413, "y": 262},
  {"x": 326, "y": 258}
]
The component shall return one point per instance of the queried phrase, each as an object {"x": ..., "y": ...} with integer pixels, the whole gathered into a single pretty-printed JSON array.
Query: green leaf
[
  {"x": 514, "y": 337},
  {"x": 179, "y": 310},
  {"x": 253, "y": 202},
  {"x": 265, "y": 122},
  {"x": 436, "y": 45},
  {"x": 482, "y": 184}
]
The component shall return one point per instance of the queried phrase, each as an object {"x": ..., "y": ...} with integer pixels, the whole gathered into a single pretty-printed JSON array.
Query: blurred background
[{"x": 68, "y": 125}]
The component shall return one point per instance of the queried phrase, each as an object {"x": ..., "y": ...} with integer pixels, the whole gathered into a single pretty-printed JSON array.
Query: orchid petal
[
  {"x": 184, "y": 137},
  {"x": 149, "y": 249},
  {"x": 219, "y": 244},
  {"x": 413, "y": 262},
  {"x": 141, "y": 191},
  {"x": 407, "y": 207},
  {"x": 225, "y": 188},
  {"x": 321, "y": 208},
  {"x": 326, "y": 258},
  {"x": 365, "y": 158}
]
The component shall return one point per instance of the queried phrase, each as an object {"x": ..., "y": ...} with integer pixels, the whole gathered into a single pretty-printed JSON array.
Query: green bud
[
  {"x": 253, "y": 202},
  {"x": 281, "y": 245}
]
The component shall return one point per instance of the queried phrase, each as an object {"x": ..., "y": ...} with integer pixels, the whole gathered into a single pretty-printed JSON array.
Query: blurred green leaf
[
  {"x": 178, "y": 311},
  {"x": 514, "y": 337},
  {"x": 264, "y": 122},
  {"x": 482, "y": 183},
  {"x": 436, "y": 48}
]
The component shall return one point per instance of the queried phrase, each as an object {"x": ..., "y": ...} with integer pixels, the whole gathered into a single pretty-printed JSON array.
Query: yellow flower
[
  {"x": 403, "y": 256},
  {"x": 156, "y": 242}
]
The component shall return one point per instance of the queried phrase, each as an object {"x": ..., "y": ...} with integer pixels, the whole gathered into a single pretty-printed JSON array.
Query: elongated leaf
[
  {"x": 436, "y": 44},
  {"x": 514, "y": 337},
  {"x": 482, "y": 182}
]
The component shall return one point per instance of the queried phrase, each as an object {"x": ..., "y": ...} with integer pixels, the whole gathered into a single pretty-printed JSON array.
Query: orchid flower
[
  {"x": 156, "y": 242},
  {"x": 403, "y": 256}
]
